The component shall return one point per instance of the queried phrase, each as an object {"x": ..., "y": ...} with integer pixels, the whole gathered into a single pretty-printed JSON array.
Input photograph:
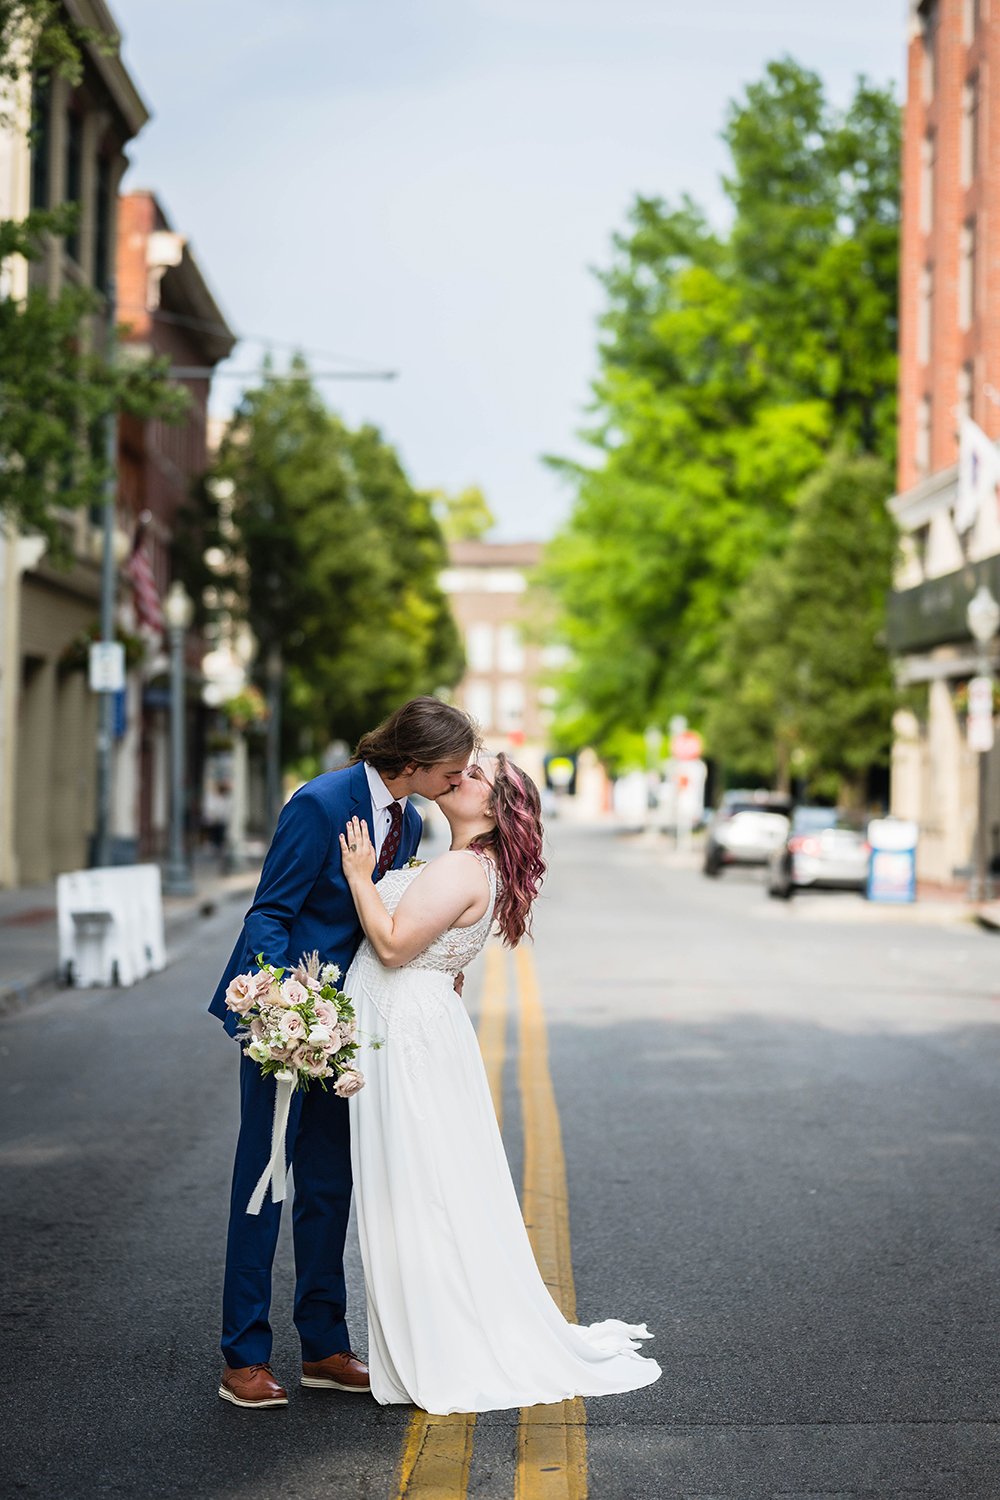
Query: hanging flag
[
  {"x": 978, "y": 473},
  {"x": 139, "y": 572}
]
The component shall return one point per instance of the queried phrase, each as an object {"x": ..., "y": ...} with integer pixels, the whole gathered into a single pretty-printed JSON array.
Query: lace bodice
[{"x": 458, "y": 946}]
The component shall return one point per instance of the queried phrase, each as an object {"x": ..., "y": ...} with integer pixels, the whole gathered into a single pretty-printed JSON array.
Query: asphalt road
[{"x": 781, "y": 1140}]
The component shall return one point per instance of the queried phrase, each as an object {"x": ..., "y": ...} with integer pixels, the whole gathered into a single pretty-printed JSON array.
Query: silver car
[
  {"x": 746, "y": 829},
  {"x": 825, "y": 847}
]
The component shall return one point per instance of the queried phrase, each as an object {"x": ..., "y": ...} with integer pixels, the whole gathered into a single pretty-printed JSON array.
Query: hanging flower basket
[
  {"x": 247, "y": 710},
  {"x": 76, "y": 655}
]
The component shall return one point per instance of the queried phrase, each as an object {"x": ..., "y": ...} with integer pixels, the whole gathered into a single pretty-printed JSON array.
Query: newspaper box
[{"x": 892, "y": 868}]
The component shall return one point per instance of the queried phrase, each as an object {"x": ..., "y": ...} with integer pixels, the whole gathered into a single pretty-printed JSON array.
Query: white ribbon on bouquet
[{"x": 276, "y": 1170}]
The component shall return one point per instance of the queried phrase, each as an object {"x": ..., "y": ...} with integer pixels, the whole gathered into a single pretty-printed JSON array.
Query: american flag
[{"x": 139, "y": 572}]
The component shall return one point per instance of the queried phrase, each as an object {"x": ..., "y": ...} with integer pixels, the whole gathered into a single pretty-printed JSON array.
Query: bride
[{"x": 459, "y": 1319}]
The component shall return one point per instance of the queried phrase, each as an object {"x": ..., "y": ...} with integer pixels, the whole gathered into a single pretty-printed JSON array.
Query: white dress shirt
[{"x": 381, "y": 798}]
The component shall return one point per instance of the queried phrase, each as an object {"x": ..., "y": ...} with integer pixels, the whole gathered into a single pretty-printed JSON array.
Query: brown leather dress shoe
[
  {"x": 253, "y": 1385},
  {"x": 338, "y": 1372}
]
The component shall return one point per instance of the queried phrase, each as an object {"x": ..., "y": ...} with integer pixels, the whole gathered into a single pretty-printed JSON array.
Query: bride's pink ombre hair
[{"x": 516, "y": 845}]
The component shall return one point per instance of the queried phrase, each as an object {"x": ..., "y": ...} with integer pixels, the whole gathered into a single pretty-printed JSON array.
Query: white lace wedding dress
[{"x": 459, "y": 1319}]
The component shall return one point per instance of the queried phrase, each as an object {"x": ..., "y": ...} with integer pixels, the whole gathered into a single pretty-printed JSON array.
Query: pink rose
[
  {"x": 241, "y": 994},
  {"x": 292, "y": 1026},
  {"x": 311, "y": 1060},
  {"x": 262, "y": 983},
  {"x": 349, "y": 1082},
  {"x": 293, "y": 993},
  {"x": 257, "y": 1028},
  {"x": 326, "y": 1014}
]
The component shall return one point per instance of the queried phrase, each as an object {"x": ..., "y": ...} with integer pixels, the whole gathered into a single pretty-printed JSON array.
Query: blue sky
[{"x": 422, "y": 185}]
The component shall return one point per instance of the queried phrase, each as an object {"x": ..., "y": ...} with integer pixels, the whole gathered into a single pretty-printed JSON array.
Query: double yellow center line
[{"x": 551, "y": 1440}]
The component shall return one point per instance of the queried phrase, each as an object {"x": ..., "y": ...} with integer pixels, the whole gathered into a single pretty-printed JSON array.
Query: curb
[{"x": 18, "y": 994}]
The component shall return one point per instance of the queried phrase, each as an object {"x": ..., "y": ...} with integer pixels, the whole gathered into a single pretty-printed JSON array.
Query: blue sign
[
  {"x": 120, "y": 714},
  {"x": 892, "y": 868}
]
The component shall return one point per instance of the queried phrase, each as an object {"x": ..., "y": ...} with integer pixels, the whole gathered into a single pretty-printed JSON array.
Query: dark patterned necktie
[{"x": 392, "y": 840}]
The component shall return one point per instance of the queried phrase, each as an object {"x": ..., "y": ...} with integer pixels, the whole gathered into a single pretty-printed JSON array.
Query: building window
[
  {"x": 922, "y": 454},
  {"x": 510, "y": 707},
  {"x": 971, "y": 10},
  {"x": 925, "y": 316},
  {"x": 479, "y": 703},
  {"x": 969, "y": 157},
  {"x": 479, "y": 647},
  {"x": 41, "y": 141},
  {"x": 967, "y": 275},
  {"x": 965, "y": 403},
  {"x": 510, "y": 649},
  {"x": 74, "y": 176},
  {"x": 929, "y": 17},
  {"x": 927, "y": 152}
]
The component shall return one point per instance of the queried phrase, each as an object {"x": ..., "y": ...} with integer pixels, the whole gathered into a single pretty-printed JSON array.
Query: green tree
[
  {"x": 730, "y": 367},
  {"x": 58, "y": 388},
  {"x": 803, "y": 684},
  {"x": 464, "y": 516},
  {"x": 336, "y": 561}
]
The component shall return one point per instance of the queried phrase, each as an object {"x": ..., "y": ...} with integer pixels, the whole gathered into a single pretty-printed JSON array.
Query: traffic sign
[
  {"x": 686, "y": 746},
  {"x": 106, "y": 666}
]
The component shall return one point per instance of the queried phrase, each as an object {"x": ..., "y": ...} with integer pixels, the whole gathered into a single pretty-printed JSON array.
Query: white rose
[{"x": 319, "y": 1036}]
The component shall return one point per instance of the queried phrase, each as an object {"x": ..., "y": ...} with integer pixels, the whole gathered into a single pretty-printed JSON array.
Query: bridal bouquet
[{"x": 300, "y": 1027}]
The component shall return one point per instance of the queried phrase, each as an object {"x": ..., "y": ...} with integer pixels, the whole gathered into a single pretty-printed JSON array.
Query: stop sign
[{"x": 686, "y": 745}]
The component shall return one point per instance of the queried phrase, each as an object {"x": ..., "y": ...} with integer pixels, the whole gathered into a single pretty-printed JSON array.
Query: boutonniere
[{"x": 414, "y": 863}]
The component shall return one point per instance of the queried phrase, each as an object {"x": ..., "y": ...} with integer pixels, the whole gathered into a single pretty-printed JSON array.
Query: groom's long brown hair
[{"x": 421, "y": 733}]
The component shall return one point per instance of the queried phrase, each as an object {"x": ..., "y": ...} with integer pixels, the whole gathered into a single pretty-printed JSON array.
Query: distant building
[
  {"x": 949, "y": 371},
  {"x": 486, "y": 584},
  {"x": 169, "y": 311}
]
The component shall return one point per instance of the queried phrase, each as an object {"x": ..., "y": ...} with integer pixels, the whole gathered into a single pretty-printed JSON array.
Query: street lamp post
[
  {"x": 983, "y": 619},
  {"x": 178, "y": 611}
]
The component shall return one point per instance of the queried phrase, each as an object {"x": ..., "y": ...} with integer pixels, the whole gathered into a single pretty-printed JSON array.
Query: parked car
[
  {"x": 746, "y": 828},
  {"x": 824, "y": 847}
]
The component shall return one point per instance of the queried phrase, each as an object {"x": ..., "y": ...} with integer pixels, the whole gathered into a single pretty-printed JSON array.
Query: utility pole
[{"x": 106, "y": 702}]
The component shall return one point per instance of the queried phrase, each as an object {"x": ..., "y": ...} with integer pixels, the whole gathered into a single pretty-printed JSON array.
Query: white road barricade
[{"x": 110, "y": 925}]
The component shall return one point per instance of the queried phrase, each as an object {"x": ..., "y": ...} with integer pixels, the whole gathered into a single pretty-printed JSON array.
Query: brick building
[
  {"x": 949, "y": 372},
  {"x": 169, "y": 311},
  {"x": 486, "y": 584},
  {"x": 64, "y": 143}
]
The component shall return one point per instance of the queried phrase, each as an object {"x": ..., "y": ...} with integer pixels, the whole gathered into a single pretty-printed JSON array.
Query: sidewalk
[
  {"x": 936, "y": 905},
  {"x": 29, "y": 947}
]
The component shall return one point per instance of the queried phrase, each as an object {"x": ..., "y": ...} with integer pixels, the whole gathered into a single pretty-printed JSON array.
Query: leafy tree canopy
[
  {"x": 464, "y": 516},
  {"x": 803, "y": 685},
  {"x": 730, "y": 367},
  {"x": 335, "y": 560},
  {"x": 58, "y": 387}
]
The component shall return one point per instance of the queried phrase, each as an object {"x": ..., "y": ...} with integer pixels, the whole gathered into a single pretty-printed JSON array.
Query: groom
[{"x": 303, "y": 903}]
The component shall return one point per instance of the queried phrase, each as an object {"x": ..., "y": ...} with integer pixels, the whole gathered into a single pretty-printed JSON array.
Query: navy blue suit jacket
[{"x": 303, "y": 901}]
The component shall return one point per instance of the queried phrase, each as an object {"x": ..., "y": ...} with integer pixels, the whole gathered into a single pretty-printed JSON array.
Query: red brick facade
[
  {"x": 167, "y": 310},
  {"x": 950, "y": 273}
]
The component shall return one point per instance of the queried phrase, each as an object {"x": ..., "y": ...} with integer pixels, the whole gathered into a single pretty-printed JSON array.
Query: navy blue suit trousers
[{"x": 301, "y": 904}]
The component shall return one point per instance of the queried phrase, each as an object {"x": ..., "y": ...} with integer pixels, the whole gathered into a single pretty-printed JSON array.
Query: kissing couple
[{"x": 459, "y": 1319}]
